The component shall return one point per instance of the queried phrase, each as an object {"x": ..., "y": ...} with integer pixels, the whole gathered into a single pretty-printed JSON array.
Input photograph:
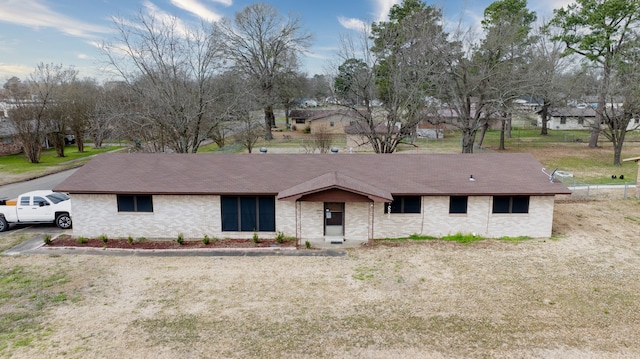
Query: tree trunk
[
  {"x": 287, "y": 107},
  {"x": 544, "y": 115},
  {"x": 468, "y": 137},
  {"x": 58, "y": 143},
  {"x": 269, "y": 119},
  {"x": 618, "y": 133},
  {"x": 595, "y": 133},
  {"x": 508, "y": 126},
  {"x": 602, "y": 100},
  {"x": 483, "y": 131},
  {"x": 503, "y": 128}
]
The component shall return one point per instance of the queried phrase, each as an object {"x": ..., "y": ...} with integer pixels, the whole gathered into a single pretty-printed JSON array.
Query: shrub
[
  {"x": 103, "y": 238},
  {"x": 82, "y": 240},
  {"x": 255, "y": 238},
  {"x": 205, "y": 239},
  {"x": 307, "y": 130},
  {"x": 180, "y": 239},
  {"x": 47, "y": 239},
  {"x": 141, "y": 239},
  {"x": 280, "y": 237},
  {"x": 130, "y": 240},
  {"x": 307, "y": 244}
]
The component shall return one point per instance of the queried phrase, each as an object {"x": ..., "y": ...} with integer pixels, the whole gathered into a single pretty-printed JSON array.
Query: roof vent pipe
[{"x": 471, "y": 178}]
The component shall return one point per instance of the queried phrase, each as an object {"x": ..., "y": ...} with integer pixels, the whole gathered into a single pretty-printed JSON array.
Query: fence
[{"x": 615, "y": 190}]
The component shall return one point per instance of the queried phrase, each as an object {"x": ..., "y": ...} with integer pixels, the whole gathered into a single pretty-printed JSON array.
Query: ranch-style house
[{"x": 312, "y": 197}]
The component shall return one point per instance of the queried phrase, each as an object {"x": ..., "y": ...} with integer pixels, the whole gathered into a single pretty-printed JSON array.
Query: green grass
[
  {"x": 458, "y": 237},
  {"x": 18, "y": 164},
  {"x": 26, "y": 294},
  {"x": 463, "y": 238},
  {"x": 515, "y": 239},
  {"x": 413, "y": 237}
]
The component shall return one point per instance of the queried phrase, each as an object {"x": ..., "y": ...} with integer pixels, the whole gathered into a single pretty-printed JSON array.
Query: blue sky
[{"x": 66, "y": 31}]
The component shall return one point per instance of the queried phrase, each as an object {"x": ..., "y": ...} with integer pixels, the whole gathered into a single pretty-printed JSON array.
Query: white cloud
[
  {"x": 10, "y": 70},
  {"x": 197, "y": 8},
  {"x": 83, "y": 57},
  {"x": 224, "y": 2},
  {"x": 352, "y": 24},
  {"x": 382, "y": 8},
  {"x": 36, "y": 14},
  {"x": 166, "y": 18}
]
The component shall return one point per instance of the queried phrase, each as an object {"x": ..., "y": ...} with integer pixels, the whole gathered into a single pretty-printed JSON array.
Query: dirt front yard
[{"x": 576, "y": 295}]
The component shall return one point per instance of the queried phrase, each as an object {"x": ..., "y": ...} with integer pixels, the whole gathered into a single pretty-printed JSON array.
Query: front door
[{"x": 334, "y": 219}]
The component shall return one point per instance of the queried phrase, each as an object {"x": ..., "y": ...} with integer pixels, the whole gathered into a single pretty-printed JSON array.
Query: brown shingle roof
[
  {"x": 399, "y": 174},
  {"x": 572, "y": 112}
]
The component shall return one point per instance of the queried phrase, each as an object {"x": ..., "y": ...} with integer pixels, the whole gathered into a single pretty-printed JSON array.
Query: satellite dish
[{"x": 551, "y": 175}]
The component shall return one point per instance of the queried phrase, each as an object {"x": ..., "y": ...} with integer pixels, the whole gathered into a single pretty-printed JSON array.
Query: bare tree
[
  {"x": 321, "y": 140},
  {"x": 115, "y": 106},
  {"x": 248, "y": 131},
  {"x": 82, "y": 103},
  {"x": 61, "y": 110},
  {"x": 550, "y": 73},
  {"x": 263, "y": 45},
  {"x": 170, "y": 68},
  {"x": 40, "y": 113},
  {"x": 463, "y": 86},
  {"x": 393, "y": 67}
]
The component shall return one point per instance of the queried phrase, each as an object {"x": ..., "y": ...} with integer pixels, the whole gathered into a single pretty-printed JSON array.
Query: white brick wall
[
  {"x": 356, "y": 226},
  {"x": 195, "y": 216}
]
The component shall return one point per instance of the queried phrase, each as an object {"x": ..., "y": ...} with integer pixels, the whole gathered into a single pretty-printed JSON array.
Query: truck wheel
[
  {"x": 63, "y": 221},
  {"x": 3, "y": 224}
]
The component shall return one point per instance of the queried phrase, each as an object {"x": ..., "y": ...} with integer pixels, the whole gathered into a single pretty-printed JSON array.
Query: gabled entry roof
[{"x": 335, "y": 180}]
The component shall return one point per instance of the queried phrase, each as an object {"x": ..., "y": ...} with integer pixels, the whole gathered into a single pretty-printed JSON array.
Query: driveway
[{"x": 46, "y": 182}]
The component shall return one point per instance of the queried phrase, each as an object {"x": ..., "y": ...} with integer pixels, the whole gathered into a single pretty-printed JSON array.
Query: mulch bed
[{"x": 69, "y": 241}]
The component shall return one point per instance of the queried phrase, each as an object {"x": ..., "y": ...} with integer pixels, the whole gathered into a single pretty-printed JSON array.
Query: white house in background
[
  {"x": 332, "y": 197},
  {"x": 569, "y": 118},
  {"x": 573, "y": 118}
]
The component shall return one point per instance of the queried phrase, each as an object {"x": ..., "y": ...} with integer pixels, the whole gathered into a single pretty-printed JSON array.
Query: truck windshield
[{"x": 57, "y": 197}]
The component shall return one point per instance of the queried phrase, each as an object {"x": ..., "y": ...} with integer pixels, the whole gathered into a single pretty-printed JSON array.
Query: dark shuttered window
[
  {"x": 248, "y": 213},
  {"x": 404, "y": 204},
  {"x": 135, "y": 203},
  {"x": 458, "y": 204},
  {"x": 511, "y": 204}
]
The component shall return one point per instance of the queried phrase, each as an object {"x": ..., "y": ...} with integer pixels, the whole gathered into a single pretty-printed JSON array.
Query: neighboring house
[
  {"x": 9, "y": 142},
  {"x": 330, "y": 197},
  {"x": 592, "y": 101},
  {"x": 569, "y": 118},
  {"x": 300, "y": 117},
  {"x": 573, "y": 118},
  {"x": 448, "y": 119},
  {"x": 332, "y": 122}
]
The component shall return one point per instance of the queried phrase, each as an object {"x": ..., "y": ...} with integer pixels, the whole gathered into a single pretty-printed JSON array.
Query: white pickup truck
[{"x": 36, "y": 207}]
